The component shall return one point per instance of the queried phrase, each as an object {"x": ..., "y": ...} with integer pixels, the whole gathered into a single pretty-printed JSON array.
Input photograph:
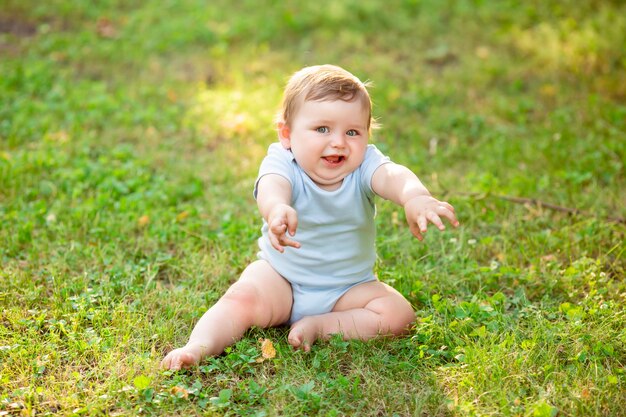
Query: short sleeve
[
  {"x": 373, "y": 159},
  {"x": 277, "y": 161}
]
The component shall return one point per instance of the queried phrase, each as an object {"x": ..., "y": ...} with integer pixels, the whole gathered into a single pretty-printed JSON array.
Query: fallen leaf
[
  {"x": 105, "y": 28},
  {"x": 61, "y": 136},
  {"x": 180, "y": 392},
  {"x": 267, "y": 349},
  {"x": 482, "y": 52},
  {"x": 585, "y": 393}
]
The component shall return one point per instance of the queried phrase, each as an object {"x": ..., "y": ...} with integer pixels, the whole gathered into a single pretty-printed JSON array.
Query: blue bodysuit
[{"x": 336, "y": 231}]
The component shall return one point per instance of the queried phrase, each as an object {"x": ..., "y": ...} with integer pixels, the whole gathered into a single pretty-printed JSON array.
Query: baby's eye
[
  {"x": 352, "y": 132},
  {"x": 322, "y": 129}
]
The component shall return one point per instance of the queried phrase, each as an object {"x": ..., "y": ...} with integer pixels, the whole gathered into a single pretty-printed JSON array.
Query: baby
[{"x": 315, "y": 191}]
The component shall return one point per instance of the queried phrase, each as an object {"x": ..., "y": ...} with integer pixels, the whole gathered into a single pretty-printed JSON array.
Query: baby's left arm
[{"x": 399, "y": 184}]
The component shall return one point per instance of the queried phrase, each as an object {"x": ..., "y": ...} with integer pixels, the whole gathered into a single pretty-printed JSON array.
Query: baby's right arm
[{"x": 274, "y": 199}]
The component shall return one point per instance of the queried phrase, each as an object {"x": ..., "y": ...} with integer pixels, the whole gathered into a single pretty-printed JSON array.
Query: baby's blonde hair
[{"x": 319, "y": 83}]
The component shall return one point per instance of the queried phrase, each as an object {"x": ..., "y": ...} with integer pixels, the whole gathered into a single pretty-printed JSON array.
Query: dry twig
[{"x": 536, "y": 202}]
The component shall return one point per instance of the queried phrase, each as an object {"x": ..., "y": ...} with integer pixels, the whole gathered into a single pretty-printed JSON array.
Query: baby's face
[{"x": 328, "y": 139}]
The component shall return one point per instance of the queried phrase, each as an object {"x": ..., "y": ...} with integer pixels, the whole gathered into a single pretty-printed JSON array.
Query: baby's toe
[
  {"x": 187, "y": 359},
  {"x": 298, "y": 337},
  {"x": 174, "y": 361},
  {"x": 167, "y": 361},
  {"x": 295, "y": 339}
]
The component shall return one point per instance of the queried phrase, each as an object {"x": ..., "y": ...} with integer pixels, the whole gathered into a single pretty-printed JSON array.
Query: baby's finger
[
  {"x": 447, "y": 205},
  {"x": 415, "y": 231},
  {"x": 422, "y": 223},
  {"x": 278, "y": 226},
  {"x": 289, "y": 242},
  {"x": 292, "y": 222},
  {"x": 435, "y": 219},
  {"x": 448, "y": 215},
  {"x": 275, "y": 241}
]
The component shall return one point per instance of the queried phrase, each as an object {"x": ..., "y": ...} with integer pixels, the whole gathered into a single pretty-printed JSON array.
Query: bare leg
[
  {"x": 366, "y": 311},
  {"x": 261, "y": 298}
]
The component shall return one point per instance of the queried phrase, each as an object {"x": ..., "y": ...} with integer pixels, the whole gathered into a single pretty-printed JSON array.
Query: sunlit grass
[{"x": 584, "y": 47}]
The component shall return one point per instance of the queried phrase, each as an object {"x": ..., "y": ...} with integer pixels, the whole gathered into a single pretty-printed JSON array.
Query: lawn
[{"x": 130, "y": 138}]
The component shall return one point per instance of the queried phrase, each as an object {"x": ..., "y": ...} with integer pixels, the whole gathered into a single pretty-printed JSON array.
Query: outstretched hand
[
  {"x": 421, "y": 210},
  {"x": 282, "y": 219}
]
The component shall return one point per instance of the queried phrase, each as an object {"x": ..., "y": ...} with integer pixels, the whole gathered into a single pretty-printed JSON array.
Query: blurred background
[
  {"x": 134, "y": 102},
  {"x": 512, "y": 96}
]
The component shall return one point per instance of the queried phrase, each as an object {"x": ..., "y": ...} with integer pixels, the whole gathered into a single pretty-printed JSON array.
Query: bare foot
[
  {"x": 184, "y": 357},
  {"x": 303, "y": 333}
]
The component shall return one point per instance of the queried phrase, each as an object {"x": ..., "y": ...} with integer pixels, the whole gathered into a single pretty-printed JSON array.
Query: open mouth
[{"x": 334, "y": 159}]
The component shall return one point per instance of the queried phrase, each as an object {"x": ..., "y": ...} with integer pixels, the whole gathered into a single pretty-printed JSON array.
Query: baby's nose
[{"x": 338, "y": 141}]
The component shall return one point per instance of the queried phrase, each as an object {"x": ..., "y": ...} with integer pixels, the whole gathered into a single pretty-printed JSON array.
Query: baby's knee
[
  {"x": 401, "y": 318},
  {"x": 244, "y": 299}
]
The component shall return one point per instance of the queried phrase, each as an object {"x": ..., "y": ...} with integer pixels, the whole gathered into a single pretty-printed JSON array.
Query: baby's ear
[{"x": 284, "y": 134}]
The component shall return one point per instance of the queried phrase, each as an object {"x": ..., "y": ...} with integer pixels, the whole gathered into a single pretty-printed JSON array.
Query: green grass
[{"x": 130, "y": 137}]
